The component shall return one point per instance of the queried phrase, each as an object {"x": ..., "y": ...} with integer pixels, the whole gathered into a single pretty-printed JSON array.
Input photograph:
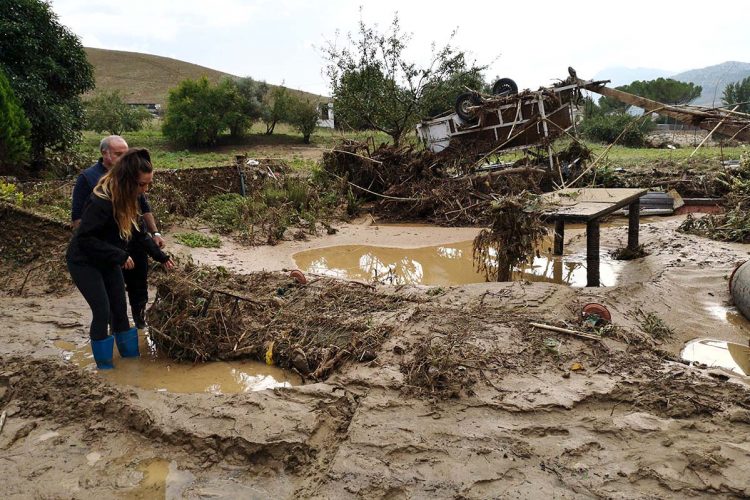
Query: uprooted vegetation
[
  {"x": 734, "y": 225},
  {"x": 203, "y": 314},
  {"x": 515, "y": 231},
  {"x": 444, "y": 188}
]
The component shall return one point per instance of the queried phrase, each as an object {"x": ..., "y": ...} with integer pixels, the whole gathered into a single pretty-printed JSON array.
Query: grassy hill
[{"x": 145, "y": 78}]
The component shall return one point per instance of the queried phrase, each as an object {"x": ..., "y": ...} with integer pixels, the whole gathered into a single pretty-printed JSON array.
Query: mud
[{"x": 463, "y": 400}]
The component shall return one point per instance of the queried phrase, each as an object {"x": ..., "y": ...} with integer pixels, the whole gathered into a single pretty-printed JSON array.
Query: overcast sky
[{"x": 531, "y": 42}]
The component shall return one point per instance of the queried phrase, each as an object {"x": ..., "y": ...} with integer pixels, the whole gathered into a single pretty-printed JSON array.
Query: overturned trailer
[
  {"x": 528, "y": 119},
  {"x": 505, "y": 122}
]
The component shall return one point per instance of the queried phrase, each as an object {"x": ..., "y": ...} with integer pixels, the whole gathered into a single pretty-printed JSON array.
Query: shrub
[{"x": 607, "y": 129}]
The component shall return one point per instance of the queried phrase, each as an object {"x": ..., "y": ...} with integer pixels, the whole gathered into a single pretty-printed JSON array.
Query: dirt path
[{"x": 525, "y": 424}]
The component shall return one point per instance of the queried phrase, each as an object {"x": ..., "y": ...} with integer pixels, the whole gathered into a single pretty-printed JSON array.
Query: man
[{"x": 136, "y": 279}]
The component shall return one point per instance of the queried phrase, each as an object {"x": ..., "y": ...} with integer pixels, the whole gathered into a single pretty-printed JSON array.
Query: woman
[{"x": 97, "y": 253}]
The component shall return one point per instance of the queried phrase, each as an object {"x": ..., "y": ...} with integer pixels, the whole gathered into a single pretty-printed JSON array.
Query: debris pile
[
  {"x": 445, "y": 188},
  {"x": 202, "y": 314}
]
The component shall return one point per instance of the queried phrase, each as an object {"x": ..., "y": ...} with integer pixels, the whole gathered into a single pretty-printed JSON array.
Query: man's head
[{"x": 112, "y": 148}]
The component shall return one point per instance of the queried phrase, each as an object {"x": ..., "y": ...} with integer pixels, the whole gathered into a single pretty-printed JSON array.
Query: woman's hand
[
  {"x": 129, "y": 264},
  {"x": 169, "y": 265}
]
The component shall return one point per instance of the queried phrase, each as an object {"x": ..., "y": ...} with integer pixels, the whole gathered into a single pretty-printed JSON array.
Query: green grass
[
  {"x": 198, "y": 240},
  {"x": 286, "y": 144}
]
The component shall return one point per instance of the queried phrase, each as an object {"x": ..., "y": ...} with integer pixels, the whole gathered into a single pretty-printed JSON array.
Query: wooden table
[{"x": 588, "y": 205}]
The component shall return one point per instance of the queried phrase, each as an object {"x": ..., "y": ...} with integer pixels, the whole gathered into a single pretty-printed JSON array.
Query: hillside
[
  {"x": 146, "y": 78},
  {"x": 714, "y": 79}
]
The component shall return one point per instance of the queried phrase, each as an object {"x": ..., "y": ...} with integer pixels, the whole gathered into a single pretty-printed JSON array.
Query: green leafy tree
[
  {"x": 738, "y": 94},
  {"x": 303, "y": 115},
  {"x": 242, "y": 101},
  {"x": 108, "y": 112},
  {"x": 48, "y": 72},
  {"x": 664, "y": 90},
  {"x": 375, "y": 86},
  {"x": 15, "y": 129},
  {"x": 439, "y": 97},
  {"x": 275, "y": 107},
  {"x": 195, "y": 113}
]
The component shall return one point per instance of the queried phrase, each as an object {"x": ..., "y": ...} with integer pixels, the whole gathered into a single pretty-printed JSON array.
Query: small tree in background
[
  {"x": 242, "y": 100},
  {"x": 108, "y": 112},
  {"x": 15, "y": 130},
  {"x": 375, "y": 86},
  {"x": 195, "y": 113},
  {"x": 303, "y": 115},
  {"x": 48, "y": 72},
  {"x": 275, "y": 107},
  {"x": 738, "y": 94}
]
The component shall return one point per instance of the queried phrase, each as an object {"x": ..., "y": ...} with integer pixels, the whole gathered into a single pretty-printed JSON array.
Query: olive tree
[
  {"x": 242, "y": 102},
  {"x": 275, "y": 107},
  {"x": 108, "y": 112},
  {"x": 303, "y": 115}
]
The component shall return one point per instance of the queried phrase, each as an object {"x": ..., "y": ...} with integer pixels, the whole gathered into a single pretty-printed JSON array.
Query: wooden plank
[
  {"x": 586, "y": 204},
  {"x": 571, "y": 196}
]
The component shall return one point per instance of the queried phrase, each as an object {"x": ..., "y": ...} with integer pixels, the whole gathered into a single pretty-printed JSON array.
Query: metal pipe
[{"x": 739, "y": 288}]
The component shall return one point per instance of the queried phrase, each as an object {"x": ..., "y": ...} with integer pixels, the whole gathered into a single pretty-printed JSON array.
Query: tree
[
  {"x": 48, "y": 72},
  {"x": 441, "y": 97},
  {"x": 243, "y": 103},
  {"x": 303, "y": 115},
  {"x": 15, "y": 129},
  {"x": 276, "y": 107},
  {"x": 738, "y": 93},
  {"x": 664, "y": 90},
  {"x": 374, "y": 86},
  {"x": 107, "y": 112},
  {"x": 195, "y": 113}
]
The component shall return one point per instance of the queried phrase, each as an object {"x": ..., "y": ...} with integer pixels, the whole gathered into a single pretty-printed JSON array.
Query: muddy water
[
  {"x": 449, "y": 264},
  {"x": 150, "y": 371},
  {"x": 720, "y": 354},
  {"x": 161, "y": 479}
]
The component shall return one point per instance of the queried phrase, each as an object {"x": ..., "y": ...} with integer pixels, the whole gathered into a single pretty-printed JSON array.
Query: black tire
[
  {"x": 463, "y": 102},
  {"x": 505, "y": 86}
]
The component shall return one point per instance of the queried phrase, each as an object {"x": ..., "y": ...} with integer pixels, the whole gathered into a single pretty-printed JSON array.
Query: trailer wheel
[
  {"x": 464, "y": 102},
  {"x": 505, "y": 86}
]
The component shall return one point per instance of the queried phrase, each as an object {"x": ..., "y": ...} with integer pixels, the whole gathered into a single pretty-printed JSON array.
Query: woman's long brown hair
[{"x": 120, "y": 186}]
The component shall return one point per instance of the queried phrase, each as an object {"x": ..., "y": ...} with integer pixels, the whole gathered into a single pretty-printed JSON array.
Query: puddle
[
  {"x": 150, "y": 371},
  {"x": 728, "y": 315},
  {"x": 161, "y": 479},
  {"x": 720, "y": 354},
  {"x": 449, "y": 264}
]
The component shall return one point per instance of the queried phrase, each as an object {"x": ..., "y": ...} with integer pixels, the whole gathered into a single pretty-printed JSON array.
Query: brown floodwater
[
  {"x": 152, "y": 371},
  {"x": 440, "y": 265},
  {"x": 719, "y": 354}
]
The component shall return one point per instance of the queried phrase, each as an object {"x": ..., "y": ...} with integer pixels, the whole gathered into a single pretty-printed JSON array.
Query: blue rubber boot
[
  {"x": 127, "y": 343},
  {"x": 102, "y": 350}
]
